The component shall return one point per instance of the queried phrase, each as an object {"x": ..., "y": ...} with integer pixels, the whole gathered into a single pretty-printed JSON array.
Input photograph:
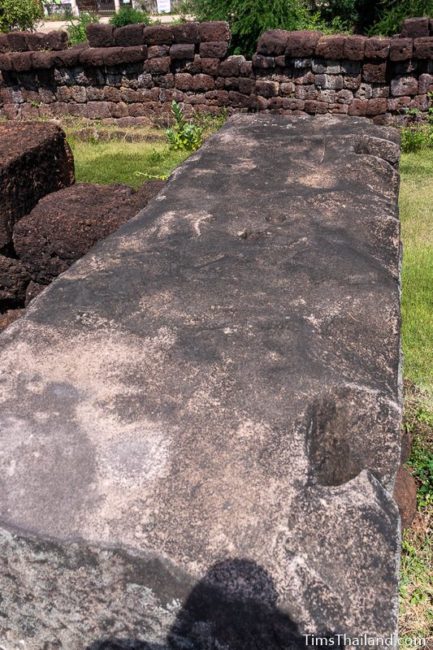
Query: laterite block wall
[{"x": 138, "y": 70}]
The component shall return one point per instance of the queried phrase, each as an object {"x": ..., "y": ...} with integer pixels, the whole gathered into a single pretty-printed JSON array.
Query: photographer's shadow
[{"x": 234, "y": 607}]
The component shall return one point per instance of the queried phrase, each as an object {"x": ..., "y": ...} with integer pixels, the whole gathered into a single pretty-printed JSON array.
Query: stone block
[
  {"x": 213, "y": 49},
  {"x": 186, "y": 32},
  {"x": 405, "y": 491},
  {"x": 302, "y": 43},
  {"x": 129, "y": 35},
  {"x": 401, "y": 49},
  {"x": 261, "y": 62},
  {"x": 214, "y": 31},
  {"x": 287, "y": 88},
  {"x": 304, "y": 77},
  {"x": 6, "y": 62},
  {"x": 380, "y": 91},
  {"x": 100, "y": 35},
  {"x": 43, "y": 60},
  {"x": 299, "y": 64},
  {"x": 158, "y": 35},
  {"x": 314, "y": 107},
  {"x": 55, "y": 40},
  {"x": 34, "y": 160},
  {"x": 358, "y": 107},
  {"x": 328, "y": 96},
  {"x": 354, "y": 48},
  {"x": 319, "y": 66},
  {"x": 415, "y": 28},
  {"x": 423, "y": 48},
  {"x": 17, "y": 41},
  {"x": 66, "y": 224},
  {"x": 351, "y": 67},
  {"x": 183, "y": 81},
  {"x": 365, "y": 91},
  {"x": 68, "y": 58},
  {"x": 332, "y": 82},
  {"x": 151, "y": 501},
  {"x": 344, "y": 96},
  {"x": 273, "y": 42},
  {"x": 21, "y": 61},
  {"x": 92, "y": 56},
  {"x": 193, "y": 66},
  {"x": 246, "y": 68},
  {"x": 155, "y": 51},
  {"x": 246, "y": 85},
  {"x": 267, "y": 88},
  {"x": 14, "y": 279},
  {"x": 404, "y": 86},
  {"x": 182, "y": 51},
  {"x": 376, "y": 106},
  {"x": 331, "y": 47},
  {"x": 239, "y": 100},
  {"x": 134, "y": 54},
  {"x": 220, "y": 97},
  {"x": 4, "y": 43},
  {"x": 374, "y": 72},
  {"x": 203, "y": 82},
  {"x": 306, "y": 92},
  {"x": 35, "y": 41},
  {"x": 210, "y": 65},
  {"x": 158, "y": 66},
  {"x": 425, "y": 84},
  {"x": 231, "y": 66}
]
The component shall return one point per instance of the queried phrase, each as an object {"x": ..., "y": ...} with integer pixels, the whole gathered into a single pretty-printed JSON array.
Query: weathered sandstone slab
[
  {"x": 200, "y": 419},
  {"x": 34, "y": 160}
]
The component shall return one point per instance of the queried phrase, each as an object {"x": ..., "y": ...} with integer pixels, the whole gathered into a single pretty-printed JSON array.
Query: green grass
[
  {"x": 130, "y": 163},
  {"x": 416, "y": 211}
]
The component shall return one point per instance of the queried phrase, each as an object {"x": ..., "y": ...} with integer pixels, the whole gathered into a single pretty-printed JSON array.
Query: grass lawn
[
  {"x": 416, "y": 212},
  {"x": 131, "y": 163}
]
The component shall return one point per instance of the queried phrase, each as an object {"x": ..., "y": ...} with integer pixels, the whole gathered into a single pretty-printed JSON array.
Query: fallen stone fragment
[
  {"x": 405, "y": 496},
  {"x": 200, "y": 419},
  {"x": 66, "y": 224},
  {"x": 14, "y": 279},
  {"x": 34, "y": 161}
]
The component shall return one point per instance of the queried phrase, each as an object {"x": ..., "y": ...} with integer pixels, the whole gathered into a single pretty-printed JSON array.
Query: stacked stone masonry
[{"x": 137, "y": 71}]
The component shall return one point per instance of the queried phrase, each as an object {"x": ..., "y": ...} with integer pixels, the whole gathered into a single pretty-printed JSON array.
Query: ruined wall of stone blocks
[{"x": 137, "y": 71}]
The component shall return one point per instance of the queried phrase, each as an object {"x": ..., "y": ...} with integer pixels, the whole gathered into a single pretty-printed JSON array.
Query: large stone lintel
[{"x": 200, "y": 419}]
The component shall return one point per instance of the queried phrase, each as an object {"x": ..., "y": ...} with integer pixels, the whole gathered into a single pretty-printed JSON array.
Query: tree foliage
[
  {"x": 20, "y": 14},
  {"x": 129, "y": 16},
  {"x": 250, "y": 18},
  {"x": 392, "y": 12}
]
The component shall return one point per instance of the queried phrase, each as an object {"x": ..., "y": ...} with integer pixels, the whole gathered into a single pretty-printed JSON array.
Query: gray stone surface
[{"x": 200, "y": 419}]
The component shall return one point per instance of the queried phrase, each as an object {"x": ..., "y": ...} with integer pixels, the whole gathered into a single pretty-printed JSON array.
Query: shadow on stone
[{"x": 234, "y": 607}]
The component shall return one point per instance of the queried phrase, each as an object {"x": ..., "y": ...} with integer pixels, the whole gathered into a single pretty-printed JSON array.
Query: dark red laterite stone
[{"x": 401, "y": 49}]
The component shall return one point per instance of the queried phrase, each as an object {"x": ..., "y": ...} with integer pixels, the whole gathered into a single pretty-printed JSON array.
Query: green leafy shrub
[
  {"x": 248, "y": 19},
  {"x": 77, "y": 27},
  {"x": 349, "y": 15},
  {"x": 414, "y": 138},
  {"x": 20, "y": 14},
  {"x": 184, "y": 135},
  {"x": 129, "y": 16},
  {"x": 393, "y": 12}
]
